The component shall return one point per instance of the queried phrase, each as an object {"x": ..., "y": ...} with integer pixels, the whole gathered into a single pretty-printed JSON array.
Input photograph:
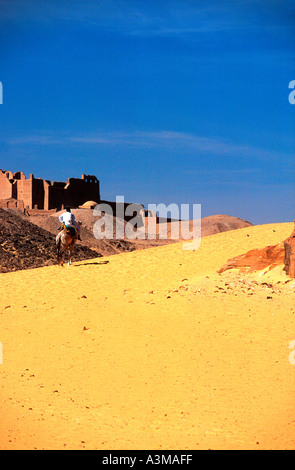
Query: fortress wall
[
  {"x": 36, "y": 192},
  {"x": 46, "y": 186},
  {"x": 82, "y": 190},
  {"x": 6, "y": 187},
  {"x": 19, "y": 175},
  {"x": 25, "y": 191},
  {"x": 12, "y": 204},
  {"x": 56, "y": 197}
]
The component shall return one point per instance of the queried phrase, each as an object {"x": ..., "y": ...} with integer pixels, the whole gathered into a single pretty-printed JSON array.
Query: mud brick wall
[
  {"x": 38, "y": 193},
  {"x": 7, "y": 186},
  {"x": 56, "y": 196},
  {"x": 81, "y": 190},
  {"x": 12, "y": 204},
  {"x": 24, "y": 191}
]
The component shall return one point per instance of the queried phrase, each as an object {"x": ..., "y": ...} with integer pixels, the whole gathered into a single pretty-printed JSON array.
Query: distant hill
[
  {"x": 213, "y": 224},
  {"x": 222, "y": 223}
]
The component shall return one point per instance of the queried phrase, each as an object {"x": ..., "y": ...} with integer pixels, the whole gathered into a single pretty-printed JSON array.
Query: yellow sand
[{"x": 150, "y": 350}]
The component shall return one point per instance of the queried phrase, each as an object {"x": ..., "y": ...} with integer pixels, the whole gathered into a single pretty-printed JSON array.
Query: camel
[{"x": 65, "y": 241}]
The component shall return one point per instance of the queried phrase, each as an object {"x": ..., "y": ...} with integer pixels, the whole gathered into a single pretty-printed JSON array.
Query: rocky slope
[{"x": 24, "y": 245}]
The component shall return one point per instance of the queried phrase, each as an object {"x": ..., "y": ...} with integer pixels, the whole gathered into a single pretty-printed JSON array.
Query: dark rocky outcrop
[{"x": 23, "y": 245}]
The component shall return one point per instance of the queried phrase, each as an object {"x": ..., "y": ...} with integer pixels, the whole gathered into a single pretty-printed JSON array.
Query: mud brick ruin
[{"x": 17, "y": 191}]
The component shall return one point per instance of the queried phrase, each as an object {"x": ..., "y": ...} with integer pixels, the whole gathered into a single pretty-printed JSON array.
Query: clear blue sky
[{"x": 164, "y": 101}]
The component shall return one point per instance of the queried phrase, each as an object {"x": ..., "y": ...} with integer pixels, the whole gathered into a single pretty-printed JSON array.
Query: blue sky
[{"x": 164, "y": 101}]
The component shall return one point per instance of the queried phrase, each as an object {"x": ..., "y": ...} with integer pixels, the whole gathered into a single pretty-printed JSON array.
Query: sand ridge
[{"x": 151, "y": 349}]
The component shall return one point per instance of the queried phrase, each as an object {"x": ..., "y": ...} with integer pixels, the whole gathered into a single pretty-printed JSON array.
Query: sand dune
[{"x": 151, "y": 349}]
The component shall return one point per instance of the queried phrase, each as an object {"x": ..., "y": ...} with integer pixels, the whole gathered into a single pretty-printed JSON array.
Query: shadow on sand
[{"x": 91, "y": 263}]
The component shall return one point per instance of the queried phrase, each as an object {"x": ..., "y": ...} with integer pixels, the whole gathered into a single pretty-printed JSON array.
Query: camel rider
[{"x": 70, "y": 222}]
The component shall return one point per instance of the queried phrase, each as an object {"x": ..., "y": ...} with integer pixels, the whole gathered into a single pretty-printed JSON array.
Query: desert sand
[{"x": 151, "y": 349}]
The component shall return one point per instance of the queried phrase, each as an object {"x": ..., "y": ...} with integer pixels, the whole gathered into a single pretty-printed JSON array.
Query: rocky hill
[{"x": 24, "y": 245}]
